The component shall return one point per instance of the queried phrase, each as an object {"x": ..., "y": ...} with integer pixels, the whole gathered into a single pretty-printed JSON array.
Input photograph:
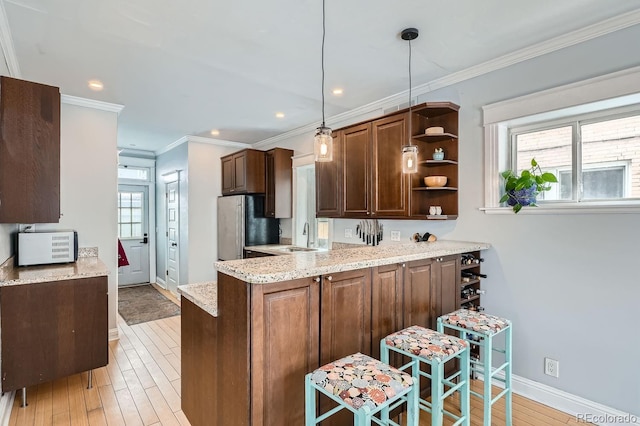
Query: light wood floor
[{"x": 141, "y": 386}]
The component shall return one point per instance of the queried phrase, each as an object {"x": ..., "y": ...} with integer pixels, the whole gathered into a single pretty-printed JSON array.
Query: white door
[
  {"x": 133, "y": 207},
  {"x": 173, "y": 236}
]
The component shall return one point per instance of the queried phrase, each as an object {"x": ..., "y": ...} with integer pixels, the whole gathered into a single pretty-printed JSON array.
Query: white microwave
[{"x": 41, "y": 248}]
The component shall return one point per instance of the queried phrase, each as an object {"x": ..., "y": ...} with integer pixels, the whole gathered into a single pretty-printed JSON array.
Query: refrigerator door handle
[{"x": 239, "y": 237}]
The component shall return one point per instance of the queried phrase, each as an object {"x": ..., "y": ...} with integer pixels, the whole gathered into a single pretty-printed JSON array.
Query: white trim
[
  {"x": 161, "y": 282},
  {"x": 561, "y": 400},
  {"x": 125, "y": 160},
  {"x": 91, "y": 103},
  {"x": 6, "y": 404},
  {"x": 201, "y": 139},
  {"x": 136, "y": 153},
  {"x": 114, "y": 334},
  {"x": 574, "y": 208},
  {"x": 6, "y": 43},
  {"x": 579, "y": 36}
]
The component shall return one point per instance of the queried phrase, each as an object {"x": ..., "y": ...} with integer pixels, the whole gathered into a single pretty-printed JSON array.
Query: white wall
[
  {"x": 205, "y": 185},
  {"x": 568, "y": 282},
  {"x": 6, "y": 243}
]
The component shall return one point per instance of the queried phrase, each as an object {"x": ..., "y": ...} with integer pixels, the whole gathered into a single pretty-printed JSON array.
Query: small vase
[
  {"x": 525, "y": 197},
  {"x": 438, "y": 156}
]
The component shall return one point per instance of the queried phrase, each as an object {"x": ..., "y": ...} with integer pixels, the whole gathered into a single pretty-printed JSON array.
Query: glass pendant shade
[
  {"x": 409, "y": 159},
  {"x": 323, "y": 144}
]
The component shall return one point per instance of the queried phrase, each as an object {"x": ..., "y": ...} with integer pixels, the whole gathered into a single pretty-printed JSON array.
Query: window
[
  {"x": 133, "y": 173},
  {"x": 587, "y": 133},
  {"x": 130, "y": 214},
  {"x": 594, "y": 157}
]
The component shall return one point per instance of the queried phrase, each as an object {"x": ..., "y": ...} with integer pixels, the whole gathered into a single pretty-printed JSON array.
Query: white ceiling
[{"x": 186, "y": 67}]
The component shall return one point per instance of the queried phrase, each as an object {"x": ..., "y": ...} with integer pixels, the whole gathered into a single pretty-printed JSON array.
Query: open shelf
[
  {"x": 440, "y": 137},
  {"x": 468, "y": 283},
  {"x": 434, "y": 188},
  {"x": 470, "y": 299},
  {"x": 465, "y": 267},
  {"x": 438, "y": 162}
]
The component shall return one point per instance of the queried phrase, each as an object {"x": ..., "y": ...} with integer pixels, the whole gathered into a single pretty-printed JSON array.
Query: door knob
[
  {"x": 145, "y": 240},
  {"x": 174, "y": 244}
]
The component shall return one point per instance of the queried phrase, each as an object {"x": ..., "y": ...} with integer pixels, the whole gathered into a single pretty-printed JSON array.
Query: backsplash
[{"x": 88, "y": 252}]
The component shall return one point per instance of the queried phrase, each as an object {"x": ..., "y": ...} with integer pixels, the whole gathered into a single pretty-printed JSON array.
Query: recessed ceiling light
[
  {"x": 96, "y": 85},
  {"x": 279, "y": 114},
  {"x": 215, "y": 132},
  {"x": 337, "y": 91}
]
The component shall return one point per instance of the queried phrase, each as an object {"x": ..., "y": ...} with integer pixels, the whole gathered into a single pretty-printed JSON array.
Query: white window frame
[{"x": 619, "y": 90}]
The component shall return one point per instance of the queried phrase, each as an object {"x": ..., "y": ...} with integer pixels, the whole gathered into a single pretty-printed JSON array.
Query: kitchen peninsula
[{"x": 247, "y": 344}]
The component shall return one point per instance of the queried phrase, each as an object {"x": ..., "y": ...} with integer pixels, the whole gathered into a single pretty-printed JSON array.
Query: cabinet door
[
  {"x": 240, "y": 172},
  {"x": 270, "y": 184},
  {"x": 345, "y": 324},
  {"x": 447, "y": 288},
  {"x": 418, "y": 282},
  {"x": 227, "y": 174},
  {"x": 284, "y": 348},
  {"x": 52, "y": 330},
  {"x": 356, "y": 166},
  {"x": 329, "y": 182},
  {"x": 29, "y": 152},
  {"x": 386, "y": 303},
  {"x": 390, "y": 187}
]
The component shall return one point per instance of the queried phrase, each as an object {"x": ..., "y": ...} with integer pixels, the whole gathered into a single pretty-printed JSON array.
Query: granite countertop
[
  {"x": 203, "y": 295},
  {"x": 270, "y": 269},
  {"x": 280, "y": 249},
  {"x": 84, "y": 267}
]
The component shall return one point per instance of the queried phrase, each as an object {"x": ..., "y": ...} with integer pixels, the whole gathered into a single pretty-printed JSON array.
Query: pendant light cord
[
  {"x": 409, "y": 92},
  {"x": 323, "y": 35}
]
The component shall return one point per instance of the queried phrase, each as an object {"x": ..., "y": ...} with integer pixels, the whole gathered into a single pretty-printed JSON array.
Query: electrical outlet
[
  {"x": 348, "y": 233},
  {"x": 395, "y": 235},
  {"x": 551, "y": 367}
]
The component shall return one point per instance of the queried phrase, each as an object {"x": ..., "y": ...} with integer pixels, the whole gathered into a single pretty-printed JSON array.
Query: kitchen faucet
[{"x": 305, "y": 231}]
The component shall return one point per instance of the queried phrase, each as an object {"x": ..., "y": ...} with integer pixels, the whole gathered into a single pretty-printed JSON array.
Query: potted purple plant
[{"x": 523, "y": 190}]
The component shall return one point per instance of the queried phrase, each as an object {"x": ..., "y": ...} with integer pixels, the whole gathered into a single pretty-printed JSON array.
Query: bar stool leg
[
  {"x": 90, "y": 381},
  {"x": 437, "y": 389},
  {"x": 507, "y": 376},
  {"x": 487, "y": 363},
  {"x": 24, "y": 398},
  {"x": 309, "y": 402},
  {"x": 465, "y": 408},
  {"x": 413, "y": 414}
]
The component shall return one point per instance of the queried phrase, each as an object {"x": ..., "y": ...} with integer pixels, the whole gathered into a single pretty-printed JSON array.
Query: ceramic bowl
[{"x": 435, "y": 181}]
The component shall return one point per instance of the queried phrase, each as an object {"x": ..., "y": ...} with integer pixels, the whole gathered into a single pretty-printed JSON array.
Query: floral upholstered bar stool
[
  {"x": 423, "y": 345},
  {"x": 366, "y": 387},
  {"x": 483, "y": 328}
]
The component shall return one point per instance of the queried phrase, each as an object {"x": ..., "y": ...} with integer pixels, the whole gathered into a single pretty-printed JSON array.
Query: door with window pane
[{"x": 133, "y": 201}]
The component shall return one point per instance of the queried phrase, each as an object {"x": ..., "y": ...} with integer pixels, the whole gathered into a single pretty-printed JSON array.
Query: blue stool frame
[
  {"x": 363, "y": 416},
  {"x": 438, "y": 395},
  {"x": 484, "y": 366}
]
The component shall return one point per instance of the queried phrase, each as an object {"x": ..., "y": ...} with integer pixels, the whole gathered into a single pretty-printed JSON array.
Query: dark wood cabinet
[
  {"x": 243, "y": 172},
  {"x": 29, "y": 152},
  {"x": 389, "y": 186},
  {"x": 356, "y": 166},
  {"x": 278, "y": 196},
  {"x": 52, "y": 330},
  {"x": 329, "y": 182},
  {"x": 447, "y": 286},
  {"x": 387, "y": 284},
  {"x": 435, "y": 114}
]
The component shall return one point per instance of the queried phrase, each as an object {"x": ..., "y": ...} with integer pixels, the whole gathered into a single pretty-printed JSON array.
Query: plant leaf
[
  {"x": 517, "y": 208},
  {"x": 549, "y": 177},
  {"x": 525, "y": 174},
  {"x": 506, "y": 174},
  {"x": 504, "y": 198},
  {"x": 533, "y": 162}
]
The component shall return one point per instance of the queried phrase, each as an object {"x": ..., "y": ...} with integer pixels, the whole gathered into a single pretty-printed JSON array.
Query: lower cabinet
[{"x": 52, "y": 330}]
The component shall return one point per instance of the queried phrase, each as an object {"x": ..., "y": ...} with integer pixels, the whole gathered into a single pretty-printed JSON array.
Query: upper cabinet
[
  {"x": 365, "y": 178},
  {"x": 243, "y": 172},
  {"x": 29, "y": 152},
  {"x": 278, "y": 175}
]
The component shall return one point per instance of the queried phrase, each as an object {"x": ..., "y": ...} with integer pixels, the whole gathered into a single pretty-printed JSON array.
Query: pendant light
[
  {"x": 323, "y": 141},
  {"x": 409, "y": 152}
]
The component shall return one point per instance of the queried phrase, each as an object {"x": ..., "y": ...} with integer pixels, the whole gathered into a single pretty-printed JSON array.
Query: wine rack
[{"x": 470, "y": 287}]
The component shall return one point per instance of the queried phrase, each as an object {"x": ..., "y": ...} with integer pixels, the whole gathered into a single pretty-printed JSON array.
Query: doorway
[
  {"x": 133, "y": 232},
  {"x": 172, "y": 197}
]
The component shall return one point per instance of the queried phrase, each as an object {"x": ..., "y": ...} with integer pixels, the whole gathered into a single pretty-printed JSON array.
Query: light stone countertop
[
  {"x": 281, "y": 249},
  {"x": 271, "y": 269},
  {"x": 203, "y": 295},
  {"x": 85, "y": 267}
]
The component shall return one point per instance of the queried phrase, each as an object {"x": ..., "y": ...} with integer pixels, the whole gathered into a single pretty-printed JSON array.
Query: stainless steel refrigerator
[{"x": 241, "y": 223}]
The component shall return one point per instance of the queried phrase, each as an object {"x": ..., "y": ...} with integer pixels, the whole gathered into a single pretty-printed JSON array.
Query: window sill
[{"x": 571, "y": 208}]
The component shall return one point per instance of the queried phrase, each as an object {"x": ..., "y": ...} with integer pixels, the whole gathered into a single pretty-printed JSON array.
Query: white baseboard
[
  {"x": 582, "y": 409},
  {"x": 6, "y": 403},
  {"x": 113, "y": 334}
]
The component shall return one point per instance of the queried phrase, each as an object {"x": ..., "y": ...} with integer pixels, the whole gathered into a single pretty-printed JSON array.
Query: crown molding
[
  {"x": 90, "y": 103},
  {"x": 202, "y": 139},
  {"x": 6, "y": 43},
  {"x": 575, "y": 37}
]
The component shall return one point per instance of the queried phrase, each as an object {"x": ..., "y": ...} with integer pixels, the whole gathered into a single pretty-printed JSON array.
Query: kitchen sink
[{"x": 292, "y": 249}]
